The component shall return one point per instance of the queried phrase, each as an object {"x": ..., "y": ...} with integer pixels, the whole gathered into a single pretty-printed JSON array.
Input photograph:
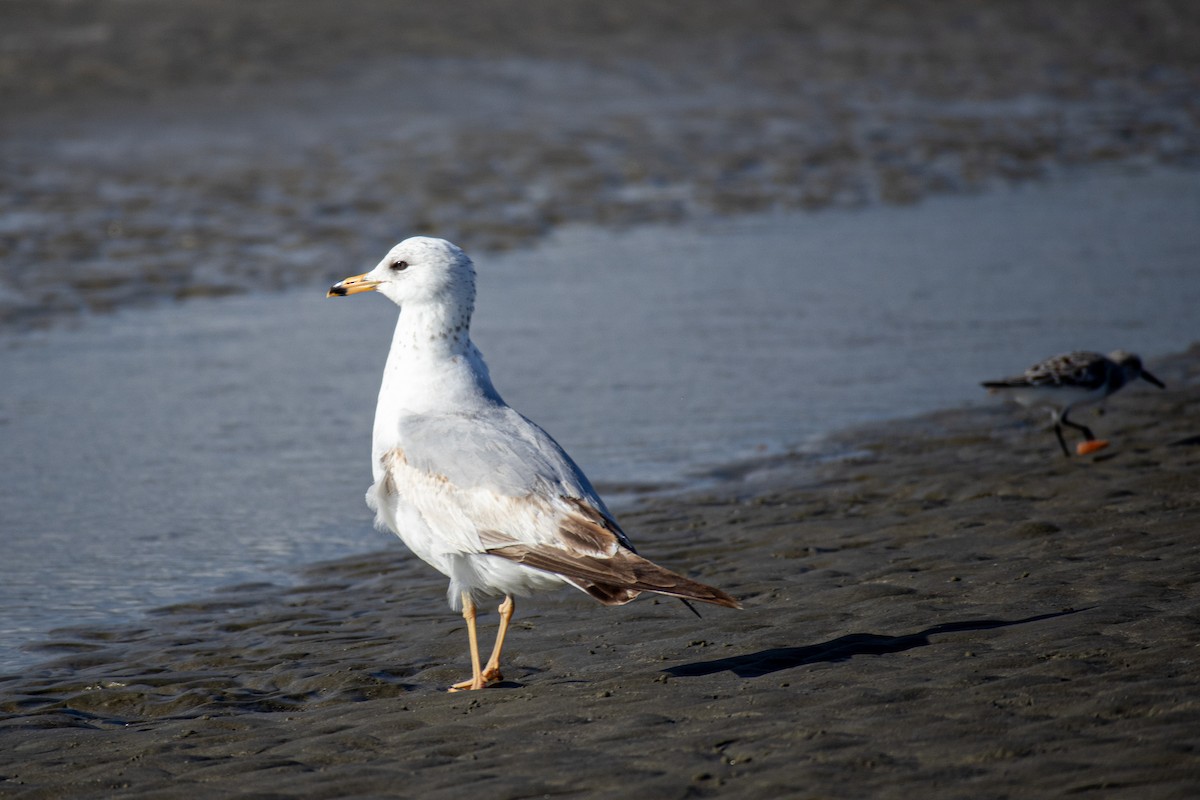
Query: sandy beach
[{"x": 956, "y": 610}]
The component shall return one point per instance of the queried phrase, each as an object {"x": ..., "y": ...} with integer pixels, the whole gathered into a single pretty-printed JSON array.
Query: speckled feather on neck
[
  {"x": 435, "y": 329},
  {"x": 433, "y": 364}
]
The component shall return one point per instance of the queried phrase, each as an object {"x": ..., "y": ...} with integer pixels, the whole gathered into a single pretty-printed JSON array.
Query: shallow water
[{"x": 153, "y": 455}]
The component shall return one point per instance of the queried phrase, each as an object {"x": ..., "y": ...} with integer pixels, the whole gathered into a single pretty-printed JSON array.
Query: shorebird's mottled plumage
[
  {"x": 472, "y": 487},
  {"x": 1065, "y": 382}
]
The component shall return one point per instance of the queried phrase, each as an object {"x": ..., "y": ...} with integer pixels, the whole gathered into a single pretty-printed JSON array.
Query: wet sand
[{"x": 955, "y": 610}]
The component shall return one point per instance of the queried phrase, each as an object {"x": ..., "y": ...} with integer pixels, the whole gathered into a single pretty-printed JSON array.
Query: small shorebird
[
  {"x": 473, "y": 488},
  {"x": 1065, "y": 382}
]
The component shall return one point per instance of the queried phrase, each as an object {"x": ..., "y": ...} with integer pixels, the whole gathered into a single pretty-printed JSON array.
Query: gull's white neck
[
  {"x": 431, "y": 332},
  {"x": 433, "y": 367}
]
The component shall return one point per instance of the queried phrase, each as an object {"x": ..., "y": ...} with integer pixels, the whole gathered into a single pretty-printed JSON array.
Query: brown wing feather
[
  {"x": 614, "y": 579},
  {"x": 607, "y": 594},
  {"x": 582, "y": 530}
]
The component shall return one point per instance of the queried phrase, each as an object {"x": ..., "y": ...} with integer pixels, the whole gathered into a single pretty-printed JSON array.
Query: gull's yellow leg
[
  {"x": 491, "y": 673},
  {"x": 476, "y": 681}
]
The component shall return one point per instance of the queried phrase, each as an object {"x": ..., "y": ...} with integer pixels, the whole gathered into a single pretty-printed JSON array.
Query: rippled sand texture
[
  {"x": 958, "y": 611},
  {"x": 200, "y": 148}
]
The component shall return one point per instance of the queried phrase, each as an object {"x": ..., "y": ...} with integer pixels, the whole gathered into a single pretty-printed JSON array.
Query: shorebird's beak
[
  {"x": 353, "y": 285},
  {"x": 1153, "y": 379}
]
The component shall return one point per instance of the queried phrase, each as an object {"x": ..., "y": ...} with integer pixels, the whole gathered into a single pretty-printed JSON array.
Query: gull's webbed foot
[{"x": 469, "y": 685}]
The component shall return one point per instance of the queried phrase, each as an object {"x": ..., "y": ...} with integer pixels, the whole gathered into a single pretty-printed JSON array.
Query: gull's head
[
  {"x": 418, "y": 270},
  {"x": 1131, "y": 365}
]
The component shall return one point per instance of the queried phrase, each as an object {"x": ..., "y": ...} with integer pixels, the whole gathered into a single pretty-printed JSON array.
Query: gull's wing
[
  {"x": 494, "y": 483},
  {"x": 615, "y": 580},
  {"x": 498, "y": 450},
  {"x": 490, "y": 469}
]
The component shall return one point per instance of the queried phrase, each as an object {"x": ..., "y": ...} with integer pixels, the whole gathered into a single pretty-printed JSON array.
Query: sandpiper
[{"x": 1067, "y": 381}]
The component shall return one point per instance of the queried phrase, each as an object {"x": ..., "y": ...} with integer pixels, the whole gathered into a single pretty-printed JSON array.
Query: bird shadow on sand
[{"x": 764, "y": 662}]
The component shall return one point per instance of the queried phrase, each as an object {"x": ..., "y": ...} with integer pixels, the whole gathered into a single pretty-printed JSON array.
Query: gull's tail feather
[{"x": 614, "y": 580}]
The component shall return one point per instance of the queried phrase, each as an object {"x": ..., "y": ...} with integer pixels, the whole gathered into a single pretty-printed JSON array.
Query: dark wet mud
[
  {"x": 956, "y": 610},
  {"x": 198, "y": 148}
]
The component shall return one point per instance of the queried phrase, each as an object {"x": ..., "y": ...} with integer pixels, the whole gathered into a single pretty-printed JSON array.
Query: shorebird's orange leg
[
  {"x": 491, "y": 672},
  {"x": 476, "y": 681}
]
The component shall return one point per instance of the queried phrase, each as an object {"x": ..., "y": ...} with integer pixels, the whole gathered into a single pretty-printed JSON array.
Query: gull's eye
[{"x": 400, "y": 265}]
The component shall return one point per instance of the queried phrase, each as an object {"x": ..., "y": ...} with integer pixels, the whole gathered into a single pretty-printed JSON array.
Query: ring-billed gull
[
  {"x": 472, "y": 487},
  {"x": 1064, "y": 382}
]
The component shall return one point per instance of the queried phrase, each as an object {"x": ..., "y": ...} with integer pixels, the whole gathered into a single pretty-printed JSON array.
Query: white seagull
[
  {"x": 473, "y": 488},
  {"x": 1066, "y": 381}
]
